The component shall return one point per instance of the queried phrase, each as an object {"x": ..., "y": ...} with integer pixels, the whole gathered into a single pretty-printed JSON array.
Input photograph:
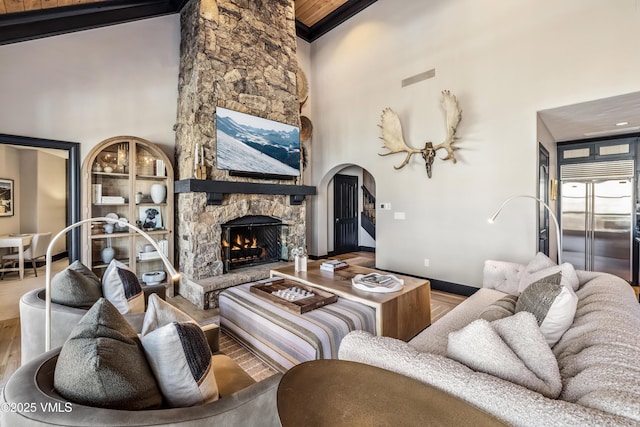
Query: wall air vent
[
  {"x": 419, "y": 77},
  {"x": 618, "y": 169}
]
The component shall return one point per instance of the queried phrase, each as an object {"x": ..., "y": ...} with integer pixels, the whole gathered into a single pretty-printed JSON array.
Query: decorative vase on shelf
[
  {"x": 107, "y": 254},
  {"x": 158, "y": 193}
]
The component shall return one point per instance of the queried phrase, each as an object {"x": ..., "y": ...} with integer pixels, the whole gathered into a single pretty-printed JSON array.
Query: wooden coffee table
[{"x": 402, "y": 314}]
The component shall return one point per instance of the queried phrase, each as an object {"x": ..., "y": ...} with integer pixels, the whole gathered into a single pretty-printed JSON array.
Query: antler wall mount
[{"x": 394, "y": 140}]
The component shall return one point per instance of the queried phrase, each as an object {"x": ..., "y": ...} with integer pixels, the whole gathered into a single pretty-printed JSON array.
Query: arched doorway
[{"x": 326, "y": 228}]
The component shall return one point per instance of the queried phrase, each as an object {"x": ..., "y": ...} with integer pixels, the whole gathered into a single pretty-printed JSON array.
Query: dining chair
[{"x": 36, "y": 250}]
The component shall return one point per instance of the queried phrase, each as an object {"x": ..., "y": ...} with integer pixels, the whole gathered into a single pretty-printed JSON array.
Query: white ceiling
[{"x": 594, "y": 119}]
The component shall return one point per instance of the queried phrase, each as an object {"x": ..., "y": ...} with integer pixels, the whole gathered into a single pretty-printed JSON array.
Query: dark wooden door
[
  {"x": 543, "y": 194},
  {"x": 345, "y": 213}
]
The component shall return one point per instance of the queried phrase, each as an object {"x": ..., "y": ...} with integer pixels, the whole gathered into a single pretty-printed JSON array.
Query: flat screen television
[{"x": 253, "y": 146}]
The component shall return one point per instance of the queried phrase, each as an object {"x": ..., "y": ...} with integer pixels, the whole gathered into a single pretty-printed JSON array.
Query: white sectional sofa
[{"x": 597, "y": 357}]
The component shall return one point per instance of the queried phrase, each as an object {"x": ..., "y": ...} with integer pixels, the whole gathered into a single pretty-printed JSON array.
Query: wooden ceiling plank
[
  {"x": 310, "y": 12},
  {"x": 2, "y": 8},
  {"x": 32, "y": 5},
  {"x": 304, "y": 9},
  {"x": 48, "y": 4},
  {"x": 14, "y": 6}
]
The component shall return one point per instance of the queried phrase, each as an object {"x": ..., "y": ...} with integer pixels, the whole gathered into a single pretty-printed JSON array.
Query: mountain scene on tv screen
[{"x": 243, "y": 147}]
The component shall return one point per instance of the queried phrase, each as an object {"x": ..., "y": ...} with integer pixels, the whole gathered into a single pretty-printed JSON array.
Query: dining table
[{"x": 20, "y": 241}]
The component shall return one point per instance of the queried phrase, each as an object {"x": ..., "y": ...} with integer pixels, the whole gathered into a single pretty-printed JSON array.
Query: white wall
[
  {"x": 91, "y": 85},
  {"x": 43, "y": 193},
  {"x": 505, "y": 61},
  {"x": 303, "y": 54},
  {"x": 39, "y": 192},
  {"x": 51, "y": 193}
]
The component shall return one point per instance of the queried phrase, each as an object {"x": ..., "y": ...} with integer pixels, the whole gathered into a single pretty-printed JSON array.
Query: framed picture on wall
[{"x": 6, "y": 197}]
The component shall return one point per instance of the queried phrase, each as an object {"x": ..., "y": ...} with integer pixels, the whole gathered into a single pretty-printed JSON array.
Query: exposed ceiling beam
[
  {"x": 332, "y": 20},
  {"x": 23, "y": 26}
]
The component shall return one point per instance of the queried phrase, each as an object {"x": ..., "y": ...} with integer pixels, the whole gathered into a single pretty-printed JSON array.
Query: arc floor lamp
[
  {"x": 553, "y": 216},
  {"x": 171, "y": 272}
]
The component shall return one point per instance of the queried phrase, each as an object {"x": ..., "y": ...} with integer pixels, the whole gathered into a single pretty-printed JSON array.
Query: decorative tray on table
[
  {"x": 292, "y": 295},
  {"x": 375, "y": 282}
]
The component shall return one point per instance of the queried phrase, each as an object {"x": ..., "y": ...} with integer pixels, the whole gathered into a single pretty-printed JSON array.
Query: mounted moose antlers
[{"x": 394, "y": 141}]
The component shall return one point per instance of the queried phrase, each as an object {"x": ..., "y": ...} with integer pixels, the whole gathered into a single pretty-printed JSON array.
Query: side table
[{"x": 343, "y": 393}]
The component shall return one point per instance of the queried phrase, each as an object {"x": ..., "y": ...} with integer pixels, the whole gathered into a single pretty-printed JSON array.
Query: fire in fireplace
[{"x": 252, "y": 240}]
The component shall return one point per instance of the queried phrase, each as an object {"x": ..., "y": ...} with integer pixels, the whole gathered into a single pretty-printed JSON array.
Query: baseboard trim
[
  {"x": 441, "y": 285},
  {"x": 54, "y": 258},
  {"x": 452, "y": 288}
]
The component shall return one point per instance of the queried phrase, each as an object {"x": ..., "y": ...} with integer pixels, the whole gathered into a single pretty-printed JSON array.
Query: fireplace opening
[{"x": 252, "y": 240}]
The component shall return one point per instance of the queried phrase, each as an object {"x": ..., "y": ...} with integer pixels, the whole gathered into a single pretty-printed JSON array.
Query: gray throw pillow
[
  {"x": 76, "y": 286},
  {"x": 538, "y": 300},
  {"x": 102, "y": 364},
  {"x": 552, "y": 304},
  {"x": 504, "y": 307}
]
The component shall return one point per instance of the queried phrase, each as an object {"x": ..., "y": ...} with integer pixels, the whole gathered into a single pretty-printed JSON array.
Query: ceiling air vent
[{"x": 618, "y": 169}]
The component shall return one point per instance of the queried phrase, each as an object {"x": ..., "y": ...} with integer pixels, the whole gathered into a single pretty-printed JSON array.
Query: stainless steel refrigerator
[{"x": 597, "y": 215}]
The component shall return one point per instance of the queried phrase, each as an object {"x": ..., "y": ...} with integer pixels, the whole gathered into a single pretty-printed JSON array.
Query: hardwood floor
[
  {"x": 441, "y": 303},
  {"x": 12, "y": 288},
  {"x": 9, "y": 348}
]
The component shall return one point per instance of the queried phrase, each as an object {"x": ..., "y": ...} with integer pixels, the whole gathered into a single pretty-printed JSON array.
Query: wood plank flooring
[{"x": 441, "y": 303}]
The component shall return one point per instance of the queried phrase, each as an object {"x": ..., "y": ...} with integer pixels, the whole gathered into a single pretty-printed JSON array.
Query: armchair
[{"x": 242, "y": 401}]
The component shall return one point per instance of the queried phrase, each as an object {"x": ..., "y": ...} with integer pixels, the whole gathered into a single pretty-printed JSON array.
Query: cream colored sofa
[{"x": 597, "y": 357}]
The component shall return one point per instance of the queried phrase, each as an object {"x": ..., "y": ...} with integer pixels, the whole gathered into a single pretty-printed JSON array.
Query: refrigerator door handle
[
  {"x": 592, "y": 215},
  {"x": 587, "y": 233}
]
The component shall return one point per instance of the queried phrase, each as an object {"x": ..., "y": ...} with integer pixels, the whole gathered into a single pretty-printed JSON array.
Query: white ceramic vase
[
  {"x": 107, "y": 254},
  {"x": 158, "y": 193}
]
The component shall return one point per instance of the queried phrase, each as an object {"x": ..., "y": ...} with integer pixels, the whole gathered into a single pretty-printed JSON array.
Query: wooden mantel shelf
[{"x": 217, "y": 189}]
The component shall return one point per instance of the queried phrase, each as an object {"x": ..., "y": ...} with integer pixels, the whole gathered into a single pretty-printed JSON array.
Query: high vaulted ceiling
[{"x": 22, "y": 20}]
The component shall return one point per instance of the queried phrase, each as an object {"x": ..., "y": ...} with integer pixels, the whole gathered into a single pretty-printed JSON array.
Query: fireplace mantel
[{"x": 217, "y": 189}]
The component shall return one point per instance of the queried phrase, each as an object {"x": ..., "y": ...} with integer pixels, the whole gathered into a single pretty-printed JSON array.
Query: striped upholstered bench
[{"x": 284, "y": 338}]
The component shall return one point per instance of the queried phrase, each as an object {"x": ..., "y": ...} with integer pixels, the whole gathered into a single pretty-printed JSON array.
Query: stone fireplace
[
  {"x": 240, "y": 55},
  {"x": 253, "y": 240},
  {"x": 203, "y": 224}
]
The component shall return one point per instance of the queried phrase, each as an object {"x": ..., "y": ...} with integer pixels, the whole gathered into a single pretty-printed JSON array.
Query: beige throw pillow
[
  {"x": 179, "y": 355},
  {"x": 122, "y": 288},
  {"x": 512, "y": 349},
  {"x": 504, "y": 307},
  {"x": 542, "y": 266}
]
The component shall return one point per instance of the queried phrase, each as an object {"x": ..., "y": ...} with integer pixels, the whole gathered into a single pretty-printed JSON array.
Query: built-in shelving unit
[{"x": 119, "y": 174}]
